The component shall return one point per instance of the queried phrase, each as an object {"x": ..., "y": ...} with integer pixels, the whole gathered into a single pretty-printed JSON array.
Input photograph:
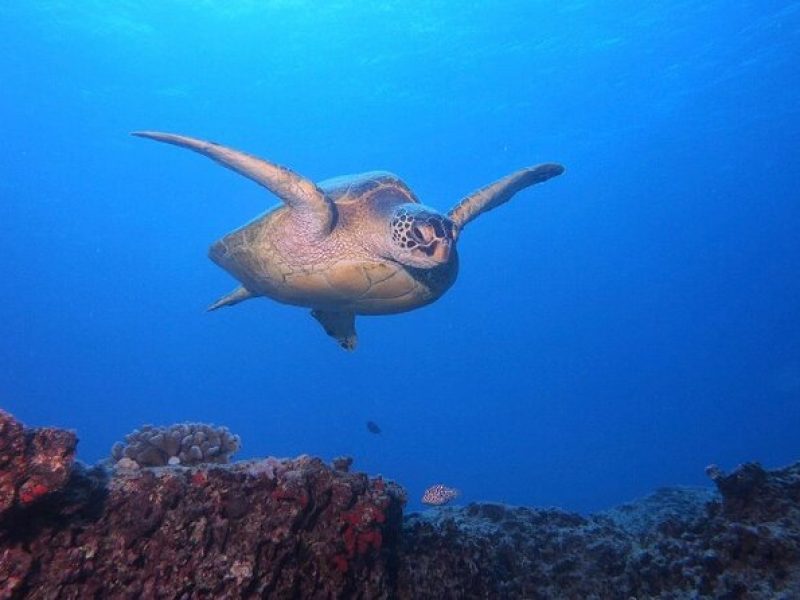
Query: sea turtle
[{"x": 353, "y": 245}]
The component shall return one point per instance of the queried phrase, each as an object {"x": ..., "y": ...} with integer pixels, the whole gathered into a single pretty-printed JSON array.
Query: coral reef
[
  {"x": 740, "y": 543},
  {"x": 180, "y": 444},
  {"x": 298, "y": 528},
  {"x": 277, "y": 527}
]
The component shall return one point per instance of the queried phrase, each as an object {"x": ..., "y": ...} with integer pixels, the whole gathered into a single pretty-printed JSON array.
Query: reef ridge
[{"x": 300, "y": 528}]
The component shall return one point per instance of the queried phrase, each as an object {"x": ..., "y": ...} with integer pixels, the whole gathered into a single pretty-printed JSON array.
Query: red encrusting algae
[{"x": 30, "y": 492}]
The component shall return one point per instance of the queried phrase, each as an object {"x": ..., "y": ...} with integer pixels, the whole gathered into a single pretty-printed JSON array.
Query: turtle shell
[{"x": 337, "y": 273}]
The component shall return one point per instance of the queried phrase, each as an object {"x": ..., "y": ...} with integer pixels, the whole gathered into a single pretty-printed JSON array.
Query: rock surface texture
[{"x": 297, "y": 528}]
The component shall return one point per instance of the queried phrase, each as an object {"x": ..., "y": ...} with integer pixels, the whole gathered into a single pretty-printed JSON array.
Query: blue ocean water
[{"x": 613, "y": 330}]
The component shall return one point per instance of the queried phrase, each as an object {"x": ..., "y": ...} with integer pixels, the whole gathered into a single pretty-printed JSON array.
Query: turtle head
[{"x": 421, "y": 237}]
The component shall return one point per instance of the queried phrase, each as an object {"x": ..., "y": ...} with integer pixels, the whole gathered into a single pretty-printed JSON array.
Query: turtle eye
[{"x": 437, "y": 228}]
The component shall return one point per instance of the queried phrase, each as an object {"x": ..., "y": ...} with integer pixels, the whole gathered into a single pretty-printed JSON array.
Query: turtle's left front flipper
[
  {"x": 501, "y": 191},
  {"x": 341, "y": 326}
]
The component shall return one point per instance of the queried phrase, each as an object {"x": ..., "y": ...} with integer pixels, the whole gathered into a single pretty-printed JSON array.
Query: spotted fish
[{"x": 439, "y": 494}]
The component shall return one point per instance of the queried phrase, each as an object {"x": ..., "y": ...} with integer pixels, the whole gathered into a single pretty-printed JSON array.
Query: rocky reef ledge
[{"x": 298, "y": 528}]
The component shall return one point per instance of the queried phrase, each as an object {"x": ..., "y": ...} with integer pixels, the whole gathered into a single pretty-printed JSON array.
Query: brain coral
[{"x": 179, "y": 444}]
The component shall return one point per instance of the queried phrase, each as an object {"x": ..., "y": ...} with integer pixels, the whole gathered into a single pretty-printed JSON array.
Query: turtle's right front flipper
[
  {"x": 307, "y": 202},
  {"x": 500, "y": 192}
]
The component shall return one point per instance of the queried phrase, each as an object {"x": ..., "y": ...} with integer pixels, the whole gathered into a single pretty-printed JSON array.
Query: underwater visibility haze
[{"x": 613, "y": 330}]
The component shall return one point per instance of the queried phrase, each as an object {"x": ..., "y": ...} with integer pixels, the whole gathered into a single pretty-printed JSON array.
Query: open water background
[{"x": 614, "y": 330}]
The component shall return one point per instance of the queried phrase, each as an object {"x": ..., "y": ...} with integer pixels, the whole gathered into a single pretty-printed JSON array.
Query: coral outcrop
[
  {"x": 180, "y": 444},
  {"x": 32, "y": 463},
  {"x": 298, "y": 528}
]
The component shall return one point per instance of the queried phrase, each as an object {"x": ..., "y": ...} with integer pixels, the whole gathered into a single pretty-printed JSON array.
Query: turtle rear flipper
[
  {"x": 240, "y": 294},
  {"x": 341, "y": 326},
  {"x": 307, "y": 202},
  {"x": 500, "y": 192}
]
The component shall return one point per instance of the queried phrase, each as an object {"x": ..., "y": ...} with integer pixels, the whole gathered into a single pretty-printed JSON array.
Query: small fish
[
  {"x": 372, "y": 426},
  {"x": 439, "y": 494}
]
